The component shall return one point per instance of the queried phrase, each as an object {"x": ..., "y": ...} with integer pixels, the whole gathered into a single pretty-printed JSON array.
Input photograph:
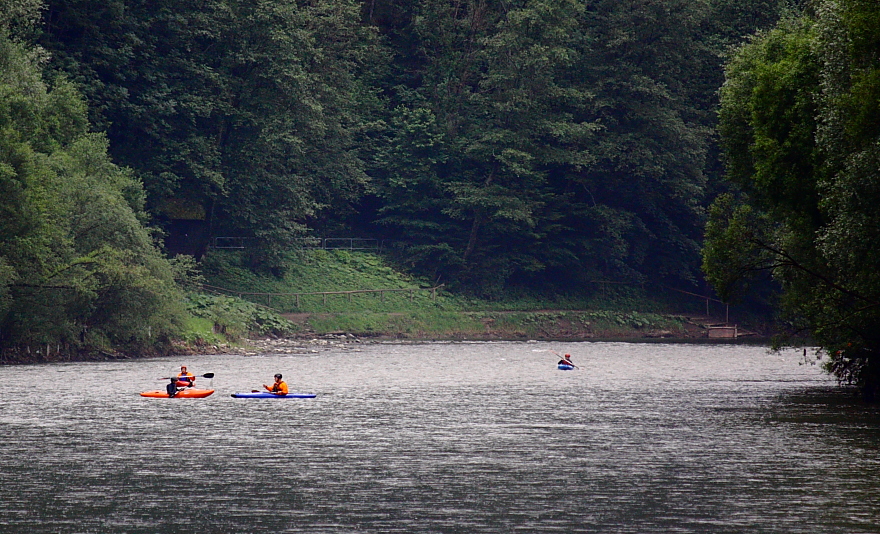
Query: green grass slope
[{"x": 365, "y": 296}]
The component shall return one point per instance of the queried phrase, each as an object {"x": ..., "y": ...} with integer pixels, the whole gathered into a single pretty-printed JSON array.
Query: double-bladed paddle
[
  {"x": 564, "y": 359},
  {"x": 567, "y": 361},
  {"x": 206, "y": 375}
]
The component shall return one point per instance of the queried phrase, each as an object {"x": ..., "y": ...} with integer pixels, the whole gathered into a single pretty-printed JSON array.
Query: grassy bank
[
  {"x": 488, "y": 325},
  {"x": 245, "y": 305},
  {"x": 413, "y": 311}
]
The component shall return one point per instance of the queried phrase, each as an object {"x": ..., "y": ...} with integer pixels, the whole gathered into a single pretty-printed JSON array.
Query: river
[{"x": 443, "y": 438}]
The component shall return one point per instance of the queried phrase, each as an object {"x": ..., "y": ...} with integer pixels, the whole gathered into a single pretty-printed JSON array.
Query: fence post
[{"x": 297, "y": 300}]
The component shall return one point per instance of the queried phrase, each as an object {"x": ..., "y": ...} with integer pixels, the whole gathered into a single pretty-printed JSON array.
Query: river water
[{"x": 443, "y": 438}]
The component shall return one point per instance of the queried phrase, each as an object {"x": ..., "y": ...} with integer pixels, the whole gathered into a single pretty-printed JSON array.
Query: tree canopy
[
  {"x": 536, "y": 142},
  {"x": 493, "y": 144},
  {"x": 77, "y": 266},
  {"x": 552, "y": 142},
  {"x": 245, "y": 116},
  {"x": 800, "y": 128}
]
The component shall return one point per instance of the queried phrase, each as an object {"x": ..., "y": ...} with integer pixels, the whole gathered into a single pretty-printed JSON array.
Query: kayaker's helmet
[
  {"x": 278, "y": 375},
  {"x": 567, "y": 356}
]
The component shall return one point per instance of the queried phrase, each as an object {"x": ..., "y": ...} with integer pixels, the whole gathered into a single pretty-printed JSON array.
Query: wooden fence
[
  {"x": 268, "y": 295},
  {"x": 707, "y": 299}
]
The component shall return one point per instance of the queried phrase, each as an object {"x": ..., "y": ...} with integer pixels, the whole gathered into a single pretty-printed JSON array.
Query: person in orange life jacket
[
  {"x": 279, "y": 387},
  {"x": 186, "y": 377},
  {"x": 171, "y": 388},
  {"x": 566, "y": 360}
]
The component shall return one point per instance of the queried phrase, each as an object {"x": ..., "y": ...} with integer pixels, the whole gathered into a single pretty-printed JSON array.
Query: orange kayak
[{"x": 191, "y": 393}]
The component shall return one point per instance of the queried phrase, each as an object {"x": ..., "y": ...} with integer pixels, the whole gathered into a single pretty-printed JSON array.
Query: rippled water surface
[{"x": 446, "y": 438}]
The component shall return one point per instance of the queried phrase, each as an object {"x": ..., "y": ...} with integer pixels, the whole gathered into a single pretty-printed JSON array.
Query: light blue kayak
[
  {"x": 565, "y": 367},
  {"x": 267, "y": 395}
]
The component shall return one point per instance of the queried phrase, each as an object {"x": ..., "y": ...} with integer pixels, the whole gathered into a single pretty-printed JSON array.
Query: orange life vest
[
  {"x": 279, "y": 388},
  {"x": 186, "y": 379}
]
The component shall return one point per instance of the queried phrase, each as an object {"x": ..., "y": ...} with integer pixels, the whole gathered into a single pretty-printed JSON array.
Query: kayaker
[
  {"x": 566, "y": 360},
  {"x": 279, "y": 387},
  {"x": 171, "y": 388},
  {"x": 185, "y": 376}
]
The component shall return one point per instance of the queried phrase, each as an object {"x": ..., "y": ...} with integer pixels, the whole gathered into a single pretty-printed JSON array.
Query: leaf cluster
[
  {"x": 800, "y": 131},
  {"x": 235, "y": 318},
  {"x": 77, "y": 266},
  {"x": 552, "y": 143}
]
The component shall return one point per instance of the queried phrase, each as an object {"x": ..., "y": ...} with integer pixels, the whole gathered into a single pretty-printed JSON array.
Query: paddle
[
  {"x": 206, "y": 375},
  {"x": 566, "y": 360}
]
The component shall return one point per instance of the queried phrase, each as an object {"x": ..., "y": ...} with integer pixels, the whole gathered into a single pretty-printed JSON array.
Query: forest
[{"x": 493, "y": 145}]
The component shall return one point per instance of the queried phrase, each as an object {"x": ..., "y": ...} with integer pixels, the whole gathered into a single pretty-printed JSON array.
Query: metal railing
[
  {"x": 230, "y": 242},
  {"x": 325, "y": 243},
  {"x": 341, "y": 243}
]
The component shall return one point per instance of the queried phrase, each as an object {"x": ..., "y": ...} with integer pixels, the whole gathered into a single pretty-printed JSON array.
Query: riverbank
[
  {"x": 553, "y": 326},
  {"x": 359, "y": 298},
  {"x": 548, "y": 325},
  {"x": 314, "y": 332},
  {"x": 359, "y": 294}
]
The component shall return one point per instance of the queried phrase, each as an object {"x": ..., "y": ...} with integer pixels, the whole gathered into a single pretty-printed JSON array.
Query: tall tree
[
  {"x": 486, "y": 114},
  {"x": 77, "y": 266},
  {"x": 246, "y": 116},
  {"x": 640, "y": 203},
  {"x": 799, "y": 123},
  {"x": 553, "y": 141}
]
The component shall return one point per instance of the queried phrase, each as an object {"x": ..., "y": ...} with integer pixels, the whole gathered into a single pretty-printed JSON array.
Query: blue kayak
[
  {"x": 267, "y": 395},
  {"x": 565, "y": 367}
]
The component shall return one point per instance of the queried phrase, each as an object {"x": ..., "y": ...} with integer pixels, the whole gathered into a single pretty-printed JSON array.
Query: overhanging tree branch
[{"x": 790, "y": 261}]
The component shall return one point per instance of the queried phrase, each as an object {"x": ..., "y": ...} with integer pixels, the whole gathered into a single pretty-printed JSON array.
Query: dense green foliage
[
  {"x": 535, "y": 142},
  {"x": 241, "y": 115},
  {"x": 552, "y": 143},
  {"x": 494, "y": 146},
  {"x": 420, "y": 313},
  {"x": 77, "y": 266},
  {"x": 233, "y": 318},
  {"x": 799, "y": 121}
]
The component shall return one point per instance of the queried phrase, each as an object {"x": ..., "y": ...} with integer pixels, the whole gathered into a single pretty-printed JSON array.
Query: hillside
[{"x": 359, "y": 294}]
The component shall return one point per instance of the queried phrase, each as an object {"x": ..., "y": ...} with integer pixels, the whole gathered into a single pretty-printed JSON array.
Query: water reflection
[{"x": 438, "y": 437}]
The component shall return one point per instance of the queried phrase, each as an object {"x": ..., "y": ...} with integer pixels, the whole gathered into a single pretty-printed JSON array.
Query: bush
[{"x": 235, "y": 318}]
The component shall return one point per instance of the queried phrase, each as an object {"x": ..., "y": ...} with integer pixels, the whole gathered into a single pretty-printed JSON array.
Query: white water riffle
[{"x": 443, "y": 438}]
